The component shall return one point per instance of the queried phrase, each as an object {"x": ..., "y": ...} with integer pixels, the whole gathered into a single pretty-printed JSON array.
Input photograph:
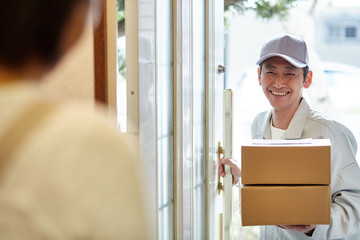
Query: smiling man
[
  {"x": 283, "y": 73},
  {"x": 282, "y": 84}
]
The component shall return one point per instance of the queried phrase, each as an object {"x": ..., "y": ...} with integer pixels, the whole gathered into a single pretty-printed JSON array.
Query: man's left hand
[{"x": 307, "y": 229}]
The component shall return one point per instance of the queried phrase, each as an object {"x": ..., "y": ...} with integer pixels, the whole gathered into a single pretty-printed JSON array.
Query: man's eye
[
  {"x": 290, "y": 74},
  {"x": 270, "y": 72}
]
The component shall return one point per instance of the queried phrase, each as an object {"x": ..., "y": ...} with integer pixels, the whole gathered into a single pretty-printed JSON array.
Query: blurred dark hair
[{"x": 31, "y": 28}]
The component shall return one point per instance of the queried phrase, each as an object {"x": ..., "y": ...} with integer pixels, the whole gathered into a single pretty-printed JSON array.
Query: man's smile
[{"x": 279, "y": 93}]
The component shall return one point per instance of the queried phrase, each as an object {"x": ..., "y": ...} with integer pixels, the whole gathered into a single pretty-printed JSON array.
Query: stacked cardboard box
[{"x": 286, "y": 182}]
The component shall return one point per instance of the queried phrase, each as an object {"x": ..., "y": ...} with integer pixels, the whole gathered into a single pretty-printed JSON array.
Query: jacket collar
[
  {"x": 296, "y": 125},
  {"x": 298, "y": 121},
  {"x": 265, "y": 129}
]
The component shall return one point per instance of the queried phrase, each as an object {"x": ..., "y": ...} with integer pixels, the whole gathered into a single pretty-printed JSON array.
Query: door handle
[
  {"x": 220, "y": 153},
  {"x": 221, "y": 69}
]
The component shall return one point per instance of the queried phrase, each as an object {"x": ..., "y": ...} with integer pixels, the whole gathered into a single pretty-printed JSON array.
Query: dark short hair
[
  {"x": 305, "y": 71},
  {"x": 31, "y": 28}
]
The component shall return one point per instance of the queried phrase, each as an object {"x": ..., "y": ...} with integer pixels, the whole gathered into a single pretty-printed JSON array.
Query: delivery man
[{"x": 283, "y": 73}]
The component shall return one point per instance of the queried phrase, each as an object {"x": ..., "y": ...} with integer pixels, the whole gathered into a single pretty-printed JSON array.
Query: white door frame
[
  {"x": 214, "y": 100},
  {"x": 183, "y": 125}
]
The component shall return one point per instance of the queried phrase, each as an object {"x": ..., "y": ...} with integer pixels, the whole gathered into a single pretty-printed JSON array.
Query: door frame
[
  {"x": 214, "y": 111},
  {"x": 105, "y": 55},
  {"x": 100, "y": 61},
  {"x": 104, "y": 52}
]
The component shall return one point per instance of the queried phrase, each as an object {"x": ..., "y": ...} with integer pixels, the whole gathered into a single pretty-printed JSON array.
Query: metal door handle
[
  {"x": 220, "y": 152},
  {"x": 221, "y": 68}
]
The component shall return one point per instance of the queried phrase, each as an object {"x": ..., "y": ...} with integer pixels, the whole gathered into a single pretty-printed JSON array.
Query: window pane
[
  {"x": 199, "y": 118},
  {"x": 164, "y": 96},
  {"x": 333, "y": 32},
  {"x": 121, "y": 67},
  {"x": 350, "y": 32}
]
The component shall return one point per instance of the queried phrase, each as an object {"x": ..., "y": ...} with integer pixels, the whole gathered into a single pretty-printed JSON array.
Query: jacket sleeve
[{"x": 345, "y": 184}]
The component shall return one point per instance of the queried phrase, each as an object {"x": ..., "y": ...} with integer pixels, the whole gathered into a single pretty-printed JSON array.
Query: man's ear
[
  {"x": 259, "y": 76},
  {"x": 308, "y": 80}
]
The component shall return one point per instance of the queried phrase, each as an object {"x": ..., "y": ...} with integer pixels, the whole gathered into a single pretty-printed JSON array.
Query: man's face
[{"x": 282, "y": 83}]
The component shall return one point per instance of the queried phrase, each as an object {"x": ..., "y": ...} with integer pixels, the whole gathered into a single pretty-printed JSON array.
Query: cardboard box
[
  {"x": 285, "y": 205},
  {"x": 286, "y": 162}
]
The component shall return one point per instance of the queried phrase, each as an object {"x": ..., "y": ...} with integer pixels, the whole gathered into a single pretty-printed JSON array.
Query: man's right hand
[{"x": 234, "y": 169}]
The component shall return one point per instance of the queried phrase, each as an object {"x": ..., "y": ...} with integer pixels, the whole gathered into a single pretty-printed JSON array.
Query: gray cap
[{"x": 288, "y": 47}]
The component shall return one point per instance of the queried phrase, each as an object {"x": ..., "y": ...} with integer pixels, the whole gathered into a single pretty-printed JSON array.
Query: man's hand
[
  {"x": 234, "y": 169},
  {"x": 307, "y": 229}
]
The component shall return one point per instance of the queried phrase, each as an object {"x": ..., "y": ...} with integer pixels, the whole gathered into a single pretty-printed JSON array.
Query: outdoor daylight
[{"x": 331, "y": 29}]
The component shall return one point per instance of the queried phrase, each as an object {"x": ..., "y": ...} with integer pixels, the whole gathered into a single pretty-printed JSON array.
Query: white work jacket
[{"x": 345, "y": 173}]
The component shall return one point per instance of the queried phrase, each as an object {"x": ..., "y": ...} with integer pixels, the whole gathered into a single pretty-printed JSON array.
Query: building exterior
[{"x": 337, "y": 34}]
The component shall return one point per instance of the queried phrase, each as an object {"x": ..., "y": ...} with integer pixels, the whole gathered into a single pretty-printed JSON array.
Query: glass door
[
  {"x": 174, "y": 93},
  {"x": 218, "y": 205}
]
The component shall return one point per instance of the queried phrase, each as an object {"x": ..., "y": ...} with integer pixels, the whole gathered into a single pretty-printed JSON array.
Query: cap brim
[{"x": 291, "y": 60}]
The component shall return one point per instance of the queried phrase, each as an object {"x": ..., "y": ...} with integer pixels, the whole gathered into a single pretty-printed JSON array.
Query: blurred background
[{"x": 331, "y": 29}]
